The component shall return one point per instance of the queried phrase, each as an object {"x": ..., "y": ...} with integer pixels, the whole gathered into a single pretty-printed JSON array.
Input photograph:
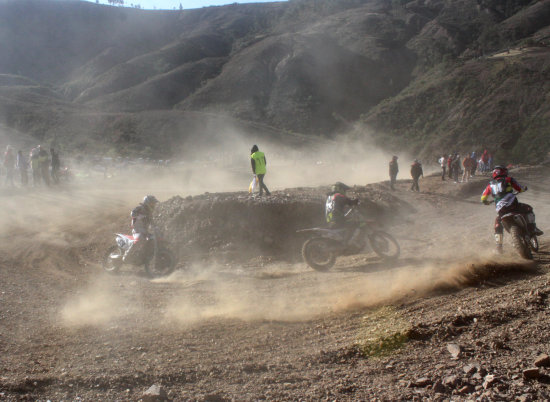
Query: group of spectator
[
  {"x": 455, "y": 166},
  {"x": 44, "y": 167},
  {"x": 416, "y": 173}
]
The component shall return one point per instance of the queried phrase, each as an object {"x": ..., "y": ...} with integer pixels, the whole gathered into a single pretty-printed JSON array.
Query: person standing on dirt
[
  {"x": 35, "y": 166},
  {"x": 502, "y": 189},
  {"x": 455, "y": 167},
  {"x": 142, "y": 220},
  {"x": 449, "y": 162},
  {"x": 259, "y": 163},
  {"x": 394, "y": 169},
  {"x": 443, "y": 163},
  {"x": 44, "y": 163},
  {"x": 55, "y": 166},
  {"x": 22, "y": 165},
  {"x": 474, "y": 168},
  {"x": 468, "y": 163},
  {"x": 9, "y": 165},
  {"x": 416, "y": 172},
  {"x": 336, "y": 207}
]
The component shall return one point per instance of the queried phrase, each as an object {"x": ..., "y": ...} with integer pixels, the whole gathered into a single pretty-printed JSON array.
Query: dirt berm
[{"x": 237, "y": 227}]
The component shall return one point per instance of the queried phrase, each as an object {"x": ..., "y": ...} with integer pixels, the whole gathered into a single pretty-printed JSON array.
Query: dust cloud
[{"x": 97, "y": 305}]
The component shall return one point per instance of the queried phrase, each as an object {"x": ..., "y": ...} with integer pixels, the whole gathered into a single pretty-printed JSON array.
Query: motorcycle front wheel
[
  {"x": 112, "y": 260},
  {"x": 318, "y": 255},
  {"x": 384, "y": 245},
  {"x": 162, "y": 264}
]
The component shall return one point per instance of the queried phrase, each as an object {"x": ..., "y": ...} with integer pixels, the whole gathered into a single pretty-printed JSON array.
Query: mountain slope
[{"x": 406, "y": 69}]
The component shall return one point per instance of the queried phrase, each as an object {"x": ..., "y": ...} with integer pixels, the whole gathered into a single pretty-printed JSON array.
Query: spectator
[
  {"x": 55, "y": 166},
  {"x": 485, "y": 161},
  {"x": 474, "y": 157},
  {"x": 9, "y": 165},
  {"x": 455, "y": 167},
  {"x": 44, "y": 163},
  {"x": 468, "y": 163},
  {"x": 394, "y": 169},
  {"x": 416, "y": 172},
  {"x": 443, "y": 162},
  {"x": 35, "y": 166},
  {"x": 449, "y": 162},
  {"x": 22, "y": 165}
]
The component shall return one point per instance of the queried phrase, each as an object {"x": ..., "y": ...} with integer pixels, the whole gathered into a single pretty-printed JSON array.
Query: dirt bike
[
  {"x": 154, "y": 255},
  {"x": 525, "y": 241},
  {"x": 320, "y": 250}
]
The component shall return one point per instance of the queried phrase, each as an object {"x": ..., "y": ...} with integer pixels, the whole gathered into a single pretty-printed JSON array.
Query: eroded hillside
[{"x": 83, "y": 75}]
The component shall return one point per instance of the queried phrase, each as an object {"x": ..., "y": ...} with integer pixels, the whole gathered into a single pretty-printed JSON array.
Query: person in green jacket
[{"x": 258, "y": 162}]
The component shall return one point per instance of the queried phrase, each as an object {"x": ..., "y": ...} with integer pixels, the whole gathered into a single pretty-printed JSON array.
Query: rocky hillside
[{"x": 420, "y": 75}]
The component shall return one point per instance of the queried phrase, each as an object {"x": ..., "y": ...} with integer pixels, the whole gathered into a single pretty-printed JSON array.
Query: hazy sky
[{"x": 170, "y": 4}]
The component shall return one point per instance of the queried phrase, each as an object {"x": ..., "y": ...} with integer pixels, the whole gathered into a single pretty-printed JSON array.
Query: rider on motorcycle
[
  {"x": 335, "y": 209},
  {"x": 142, "y": 219},
  {"x": 502, "y": 189}
]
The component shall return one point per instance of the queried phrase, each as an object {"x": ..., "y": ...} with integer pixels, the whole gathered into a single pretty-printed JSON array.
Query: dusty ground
[{"x": 466, "y": 324}]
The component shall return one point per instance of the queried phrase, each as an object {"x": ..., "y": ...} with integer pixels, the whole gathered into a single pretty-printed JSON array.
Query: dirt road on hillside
[{"x": 267, "y": 329}]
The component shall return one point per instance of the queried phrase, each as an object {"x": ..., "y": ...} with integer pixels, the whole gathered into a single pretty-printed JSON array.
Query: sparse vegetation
[{"x": 383, "y": 331}]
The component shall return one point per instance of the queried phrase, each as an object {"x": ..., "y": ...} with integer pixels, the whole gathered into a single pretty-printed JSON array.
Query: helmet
[
  {"x": 339, "y": 187},
  {"x": 500, "y": 171},
  {"x": 149, "y": 201}
]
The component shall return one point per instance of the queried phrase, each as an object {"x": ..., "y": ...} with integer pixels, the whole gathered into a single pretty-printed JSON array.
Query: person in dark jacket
[
  {"x": 416, "y": 172},
  {"x": 394, "y": 169},
  {"x": 259, "y": 163},
  {"x": 22, "y": 165},
  {"x": 55, "y": 166}
]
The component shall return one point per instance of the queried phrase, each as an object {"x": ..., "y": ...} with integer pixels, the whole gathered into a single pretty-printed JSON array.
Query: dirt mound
[{"x": 238, "y": 227}]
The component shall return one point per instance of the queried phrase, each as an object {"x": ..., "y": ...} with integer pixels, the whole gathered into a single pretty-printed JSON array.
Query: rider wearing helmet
[
  {"x": 502, "y": 189},
  {"x": 335, "y": 208},
  {"x": 142, "y": 219}
]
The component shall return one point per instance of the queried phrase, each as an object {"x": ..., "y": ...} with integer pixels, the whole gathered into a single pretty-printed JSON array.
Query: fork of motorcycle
[{"x": 498, "y": 238}]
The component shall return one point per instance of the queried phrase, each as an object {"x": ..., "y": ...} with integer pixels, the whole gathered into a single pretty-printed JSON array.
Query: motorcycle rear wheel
[
  {"x": 519, "y": 243},
  {"x": 111, "y": 264},
  {"x": 317, "y": 254},
  {"x": 162, "y": 264},
  {"x": 384, "y": 245}
]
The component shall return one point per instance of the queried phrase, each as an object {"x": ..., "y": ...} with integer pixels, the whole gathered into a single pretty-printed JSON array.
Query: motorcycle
[
  {"x": 320, "y": 250},
  {"x": 154, "y": 255},
  {"x": 523, "y": 239}
]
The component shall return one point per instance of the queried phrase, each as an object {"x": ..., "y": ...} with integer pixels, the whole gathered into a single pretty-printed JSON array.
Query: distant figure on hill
[
  {"x": 259, "y": 163},
  {"x": 22, "y": 165},
  {"x": 416, "y": 172},
  {"x": 9, "y": 164},
  {"x": 394, "y": 169}
]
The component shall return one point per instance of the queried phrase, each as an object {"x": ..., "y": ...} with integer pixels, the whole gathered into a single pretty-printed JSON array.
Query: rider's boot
[
  {"x": 536, "y": 231},
  {"x": 498, "y": 241}
]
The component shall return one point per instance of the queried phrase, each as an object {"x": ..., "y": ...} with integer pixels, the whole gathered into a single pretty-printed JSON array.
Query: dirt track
[{"x": 267, "y": 329}]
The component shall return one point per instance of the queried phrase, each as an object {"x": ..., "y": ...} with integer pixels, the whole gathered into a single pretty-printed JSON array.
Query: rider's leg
[
  {"x": 527, "y": 211},
  {"x": 133, "y": 249},
  {"x": 498, "y": 234}
]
